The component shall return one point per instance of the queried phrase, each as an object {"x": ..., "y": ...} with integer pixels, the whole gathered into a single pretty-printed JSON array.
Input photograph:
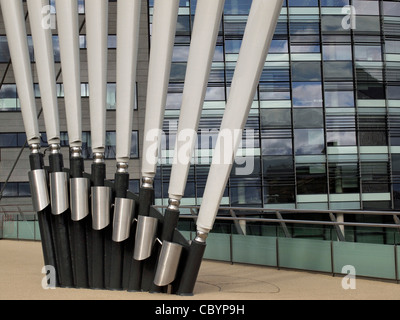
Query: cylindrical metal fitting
[
  {"x": 147, "y": 182},
  {"x": 201, "y": 236},
  {"x": 98, "y": 157},
  {"x": 122, "y": 167},
  {"x": 54, "y": 148},
  {"x": 75, "y": 152},
  {"x": 35, "y": 148},
  {"x": 173, "y": 204}
]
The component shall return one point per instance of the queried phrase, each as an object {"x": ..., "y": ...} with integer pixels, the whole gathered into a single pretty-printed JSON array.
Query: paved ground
[{"x": 21, "y": 264}]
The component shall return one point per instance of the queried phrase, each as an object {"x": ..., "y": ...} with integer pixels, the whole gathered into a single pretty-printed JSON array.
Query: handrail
[
  {"x": 332, "y": 223},
  {"x": 284, "y": 210},
  {"x": 246, "y": 212}
]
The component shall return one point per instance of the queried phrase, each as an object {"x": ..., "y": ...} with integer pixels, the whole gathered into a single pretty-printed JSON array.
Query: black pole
[
  {"x": 170, "y": 223},
  {"x": 60, "y": 228},
  {"x": 97, "y": 243},
  {"x": 121, "y": 185},
  {"x": 44, "y": 218},
  {"x": 146, "y": 199},
  {"x": 191, "y": 268},
  {"x": 79, "y": 230}
]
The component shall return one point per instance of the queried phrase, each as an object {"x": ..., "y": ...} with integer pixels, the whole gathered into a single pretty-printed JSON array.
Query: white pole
[
  {"x": 256, "y": 42},
  {"x": 44, "y": 57},
  {"x": 97, "y": 49},
  {"x": 14, "y": 22},
  {"x": 162, "y": 44},
  {"x": 204, "y": 37},
  {"x": 128, "y": 23},
  {"x": 68, "y": 33}
]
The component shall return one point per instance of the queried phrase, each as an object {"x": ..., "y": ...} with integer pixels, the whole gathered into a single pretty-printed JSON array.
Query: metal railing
[
  {"x": 334, "y": 218},
  {"x": 238, "y": 216}
]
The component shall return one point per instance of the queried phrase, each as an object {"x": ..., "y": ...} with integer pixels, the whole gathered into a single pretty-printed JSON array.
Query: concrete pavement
[{"x": 21, "y": 278}]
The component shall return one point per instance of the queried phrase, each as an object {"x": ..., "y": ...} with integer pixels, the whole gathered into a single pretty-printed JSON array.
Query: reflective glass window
[
  {"x": 337, "y": 52},
  {"x": 277, "y": 146},
  {"x": 276, "y": 118},
  {"x": 307, "y": 94},
  {"x": 311, "y": 178},
  {"x": 309, "y": 141},
  {"x": 4, "y": 52},
  {"x": 308, "y": 118},
  {"x": 306, "y": 71},
  {"x": 339, "y": 99}
]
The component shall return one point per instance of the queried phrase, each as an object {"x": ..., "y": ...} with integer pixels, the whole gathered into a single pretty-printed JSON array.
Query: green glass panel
[
  {"x": 10, "y": 230},
  {"x": 37, "y": 231},
  {"x": 254, "y": 250},
  {"x": 398, "y": 261},
  {"x": 371, "y": 260},
  {"x": 305, "y": 254},
  {"x": 26, "y": 230},
  {"x": 218, "y": 247}
]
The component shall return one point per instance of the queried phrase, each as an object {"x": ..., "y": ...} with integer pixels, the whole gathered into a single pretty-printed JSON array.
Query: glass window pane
[
  {"x": 337, "y": 52},
  {"x": 309, "y": 141},
  {"x": 8, "y": 140},
  {"x": 368, "y": 53},
  {"x": 277, "y": 146},
  {"x": 308, "y": 118},
  {"x": 8, "y": 97},
  {"x": 307, "y": 94},
  {"x": 339, "y": 99},
  {"x": 311, "y": 178},
  {"x": 306, "y": 71},
  {"x": 237, "y": 7},
  {"x": 276, "y": 118},
  {"x": 4, "y": 52},
  {"x": 341, "y": 138},
  {"x": 338, "y": 70}
]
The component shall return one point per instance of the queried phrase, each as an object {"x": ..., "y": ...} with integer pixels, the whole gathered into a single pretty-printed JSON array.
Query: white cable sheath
[
  {"x": 97, "y": 49},
  {"x": 68, "y": 33},
  {"x": 204, "y": 37},
  {"x": 44, "y": 57},
  {"x": 128, "y": 23},
  {"x": 14, "y": 22},
  {"x": 162, "y": 44},
  {"x": 256, "y": 42}
]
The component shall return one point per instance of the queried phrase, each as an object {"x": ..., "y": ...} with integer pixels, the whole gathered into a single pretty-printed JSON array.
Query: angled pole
[
  {"x": 68, "y": 33},
  {"x": 207, "y": 23},
  {"x": 162, "y": 43},
  {"x": 97, "y": 35},
  {"x": 128, "y": 24},
  {"x": 43, "y": 48},
  {"x": 256, "y": 42}
]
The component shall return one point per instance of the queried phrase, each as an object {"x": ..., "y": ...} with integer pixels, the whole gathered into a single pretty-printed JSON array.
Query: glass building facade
[{"x": 324, "y": 128}]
